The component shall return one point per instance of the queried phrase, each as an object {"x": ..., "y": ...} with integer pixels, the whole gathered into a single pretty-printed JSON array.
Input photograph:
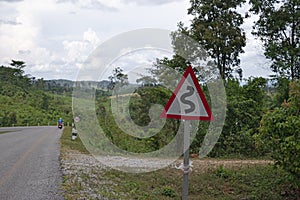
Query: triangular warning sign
[{"x": 188, "y": 101}]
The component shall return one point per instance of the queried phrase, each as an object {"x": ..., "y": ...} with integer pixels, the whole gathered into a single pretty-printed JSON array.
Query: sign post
[
  {"x": 186, "y": 159},
  {"x": 187, "y": 103}
]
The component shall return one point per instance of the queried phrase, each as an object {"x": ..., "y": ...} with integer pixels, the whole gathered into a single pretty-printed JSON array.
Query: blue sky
[{"x": 55, "y": 37}]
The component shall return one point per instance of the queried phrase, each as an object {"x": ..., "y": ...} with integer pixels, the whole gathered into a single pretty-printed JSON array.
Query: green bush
[
  {"x": 279, "y": 133},
  {"x": 168, "y": 192}
]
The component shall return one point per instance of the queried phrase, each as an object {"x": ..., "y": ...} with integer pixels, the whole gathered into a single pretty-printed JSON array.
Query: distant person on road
[{"x": 60, "y": 121}]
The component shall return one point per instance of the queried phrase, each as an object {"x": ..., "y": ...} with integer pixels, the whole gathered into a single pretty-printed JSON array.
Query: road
[{"x": 29, "y": 163}]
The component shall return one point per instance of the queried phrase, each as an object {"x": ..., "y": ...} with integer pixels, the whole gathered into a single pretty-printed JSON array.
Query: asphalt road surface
[{"x": 29, "y": 163}]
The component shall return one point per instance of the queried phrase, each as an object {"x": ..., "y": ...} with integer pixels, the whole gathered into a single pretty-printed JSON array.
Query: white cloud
[
  {"x": 91, "y": 36},
  {"x": 27, "y": 41},
  {"x": 9, "y": 22},
  {"x": 22, "y": 40},
  {"x": 152, "y": 2},
  {"x": 10, "y": 1},
  {"x": 20, "y": 37},
  {"x": 89, "y": 4},
  {"x": 77, "y": 51}
]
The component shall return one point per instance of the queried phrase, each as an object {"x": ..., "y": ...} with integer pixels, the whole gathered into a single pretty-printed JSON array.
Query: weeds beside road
[{"x": 86, "y": 178}]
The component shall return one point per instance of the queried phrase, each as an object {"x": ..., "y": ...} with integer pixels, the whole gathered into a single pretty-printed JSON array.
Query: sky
[{"x": 55, "y": 37}]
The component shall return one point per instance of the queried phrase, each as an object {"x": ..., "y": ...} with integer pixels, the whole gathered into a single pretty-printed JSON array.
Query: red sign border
[{"x": 188, "y": 71}]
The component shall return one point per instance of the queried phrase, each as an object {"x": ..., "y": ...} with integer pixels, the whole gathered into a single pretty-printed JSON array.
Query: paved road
[{"x": 29, "y": 163}]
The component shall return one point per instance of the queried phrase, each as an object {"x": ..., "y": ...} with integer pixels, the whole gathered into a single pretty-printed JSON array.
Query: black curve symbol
[{"x": 185, "y": 101}]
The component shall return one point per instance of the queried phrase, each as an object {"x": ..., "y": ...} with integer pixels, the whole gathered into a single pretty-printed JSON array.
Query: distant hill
[
  {"x": 25, "y": 100},
  {"x": 67, "y": 84}
]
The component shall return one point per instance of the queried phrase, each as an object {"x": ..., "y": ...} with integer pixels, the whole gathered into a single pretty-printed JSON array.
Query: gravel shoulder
[
  {"x": 74, "y": 159},
  {"x": 87, "y": 175}
]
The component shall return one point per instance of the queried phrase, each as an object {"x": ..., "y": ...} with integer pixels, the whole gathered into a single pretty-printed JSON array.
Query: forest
[{"x": 27, "y": 101}]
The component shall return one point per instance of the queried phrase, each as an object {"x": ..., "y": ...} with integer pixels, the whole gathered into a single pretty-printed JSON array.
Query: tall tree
[
  {"x": 117, "y": 80},
  {"x": 19, "y": 65},
  {"x": 216, "y": 26},
  {"x": 278, "y": 27},
  {"x": 18, "y": 74}
]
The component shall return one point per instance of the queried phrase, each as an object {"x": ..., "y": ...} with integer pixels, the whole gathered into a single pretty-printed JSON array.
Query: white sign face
[
  {"x": 188, "y": 101},
  {"x": 76, "y": 119}
]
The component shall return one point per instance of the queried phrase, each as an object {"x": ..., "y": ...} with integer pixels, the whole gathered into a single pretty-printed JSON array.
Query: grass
[
  {"x": 258, "y": 182},
  {"x": 2, "y": 132},
  {"x": 251, "y": 183},
  {"x": 68, "y": 144}
]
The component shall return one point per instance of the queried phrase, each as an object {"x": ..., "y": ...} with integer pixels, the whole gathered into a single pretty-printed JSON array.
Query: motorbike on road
[{"x": 60, "y": 125}]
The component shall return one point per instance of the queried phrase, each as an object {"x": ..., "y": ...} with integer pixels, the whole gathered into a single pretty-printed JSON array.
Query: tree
[
  {"x": 117, "y": 80},
  {"x": 278, "y": 27},
  {"x": 216, "y": 26},
  {"x": 282, "y": 91},
  {"x": 245, "y": 108},
  {"x": 44, "y": 102},
  {"x": 13, "y": 118},
  {"x": 18, "y": 76},
  {"x": 279, "y": 133},
  {"x": 19, "y": 65},
  {"x": 146, "y": 81}
]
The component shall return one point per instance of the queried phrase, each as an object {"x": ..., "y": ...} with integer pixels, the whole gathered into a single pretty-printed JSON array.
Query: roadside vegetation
[
  {"x": 2, "y": 132},
  {"x": 25, "y": 100},
  {"x": 85, "y": 178},
  {"x": 67, "y": 144}
]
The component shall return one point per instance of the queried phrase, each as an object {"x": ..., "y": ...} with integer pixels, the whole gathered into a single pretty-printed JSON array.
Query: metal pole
[{"x": 186, "y": 161}]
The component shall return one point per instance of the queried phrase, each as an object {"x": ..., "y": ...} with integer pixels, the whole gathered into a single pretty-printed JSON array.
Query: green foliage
[
  {"x": 138, "y": 108},
  {"x": 118, "y": 79},
  {"x": 217, "y": 27},
  {"x": 13, "y": 76},
  {"x": 23, "y": 103},
  {"x": 279, "y": 133},
  {"x": 245, "y": 107},
  {"x": 168, "y": 192},
  {"x": 282, "y": 91},
  {"x": 222, "y": 172},
  {"x": 68, "y": 144},
  {"x": 147, "y": 96}
]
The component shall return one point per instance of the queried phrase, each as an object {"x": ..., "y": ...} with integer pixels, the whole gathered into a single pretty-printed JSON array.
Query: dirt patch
[{"x": 74, "y": 160}]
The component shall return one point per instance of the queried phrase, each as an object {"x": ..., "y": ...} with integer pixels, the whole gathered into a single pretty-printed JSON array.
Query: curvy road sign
[{"x": 188, "y": 101}]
